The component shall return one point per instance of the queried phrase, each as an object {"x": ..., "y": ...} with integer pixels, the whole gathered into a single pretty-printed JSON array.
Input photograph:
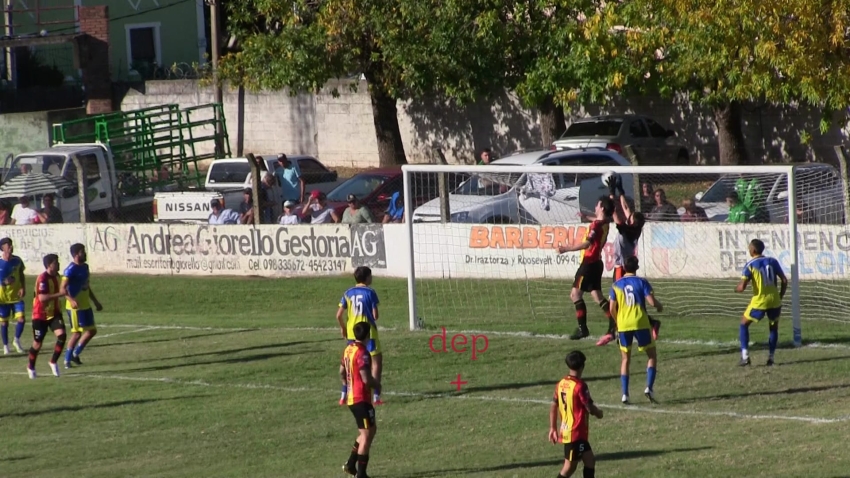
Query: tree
[{"x": 724, "y": 53}]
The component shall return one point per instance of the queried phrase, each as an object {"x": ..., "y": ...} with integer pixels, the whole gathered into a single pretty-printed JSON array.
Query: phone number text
[{"x": 298, "y": 265}]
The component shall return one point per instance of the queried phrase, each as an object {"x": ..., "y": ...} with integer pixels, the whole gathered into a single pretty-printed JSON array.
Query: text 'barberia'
[{"x": 210, "y": 240}]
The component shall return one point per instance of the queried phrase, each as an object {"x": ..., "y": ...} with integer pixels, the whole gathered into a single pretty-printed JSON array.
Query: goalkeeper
[{"x": 629, "y": 228}]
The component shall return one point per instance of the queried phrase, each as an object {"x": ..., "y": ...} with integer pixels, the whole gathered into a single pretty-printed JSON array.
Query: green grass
[{"x": 238, "y": 390}]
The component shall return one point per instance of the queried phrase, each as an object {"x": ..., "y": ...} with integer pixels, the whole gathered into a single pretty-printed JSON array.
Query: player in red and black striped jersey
[
  {"x": 355, "y": 370},
  {"x": 573, "y": 403},
  {"x": 589, "y": 275},
  {"x": 47, "y": 314}
]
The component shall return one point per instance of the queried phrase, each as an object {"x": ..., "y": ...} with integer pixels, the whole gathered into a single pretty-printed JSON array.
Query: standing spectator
[
  {"x": 288, "y": 216},
  {"x": 246, "y": 207},
  {"x": 289, "y": 177},
  {"x": 5, "y": 214},
  {"x": 267, "y": 198},
  {"x": 738, "y": 213},
  {"x": 49, "y": 214},
  {"x": 395, "y": 212},
  {"x": 693, "y": 213},
  {"x": 222, "y": 216},
  {"x": 23, "y": 214},
  {"x": 317, "y": 208},
  {"x": 647, "y": 199},
  {"x": 663, "y": 210},
  {"x": 355, "y": 213},
  {"x": 486, "y": 157}
]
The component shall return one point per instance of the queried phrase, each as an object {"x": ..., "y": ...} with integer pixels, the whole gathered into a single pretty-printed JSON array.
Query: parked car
[
  {"x": 488, "y": 198},
  {"x": 316, "y": 175},
  {"x": 653, "y": 144},
  {"x": 820, "y": 195},
  {"x": 374, "y": 189}
]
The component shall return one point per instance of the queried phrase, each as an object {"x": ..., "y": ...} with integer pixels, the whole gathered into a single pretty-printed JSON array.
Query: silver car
[{"x": 653, "y": 144}]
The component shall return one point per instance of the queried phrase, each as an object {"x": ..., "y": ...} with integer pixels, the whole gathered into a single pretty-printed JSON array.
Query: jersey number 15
[{"x": 358, "y": 305}]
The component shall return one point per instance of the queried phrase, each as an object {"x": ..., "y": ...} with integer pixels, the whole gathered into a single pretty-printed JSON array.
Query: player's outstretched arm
[
  {"x": 653, "y": 301},
  {"x": 553, "y": 421},
  {"x": 572, "y": 248},
  {"x": 339, "y": 313}
]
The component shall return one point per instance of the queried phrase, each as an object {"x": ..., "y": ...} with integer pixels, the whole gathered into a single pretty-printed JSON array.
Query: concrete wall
[
  {"x": 22, "y": 132},
  {"x": 340, "y": 130}
]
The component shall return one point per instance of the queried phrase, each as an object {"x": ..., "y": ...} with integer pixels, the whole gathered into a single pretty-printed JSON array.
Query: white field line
[
  {"x": 626, "y": 408},
  {"x": 125, "y": 332},
  {"x": 488, "y": 333}
]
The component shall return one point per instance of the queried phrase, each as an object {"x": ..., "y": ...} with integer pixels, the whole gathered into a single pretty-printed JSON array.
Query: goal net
[{"x": 483, "y": 242}]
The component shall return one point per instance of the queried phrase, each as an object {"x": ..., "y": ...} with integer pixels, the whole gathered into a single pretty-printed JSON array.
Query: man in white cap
[{"x": 288, "y": 217}]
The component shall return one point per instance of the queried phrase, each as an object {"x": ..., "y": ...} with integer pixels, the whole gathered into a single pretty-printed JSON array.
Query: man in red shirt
[
  {"x": 589, "y": 275},
  {"x": 572, "y": 400},
  {"x": 47, "y": 314},
  {"x": 355, "y": 370}
]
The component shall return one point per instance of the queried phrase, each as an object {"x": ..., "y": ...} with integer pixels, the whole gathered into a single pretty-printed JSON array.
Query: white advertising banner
[{"x": 33, "y": 242}]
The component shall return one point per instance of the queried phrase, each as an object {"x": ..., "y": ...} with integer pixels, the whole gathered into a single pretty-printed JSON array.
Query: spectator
[
  {"x": 267, "y": 198},
  {"x": 647, "y": 199},
  {"x": 5, "y": 213},
  {"x": 246, "y": 207},
  {"x": 663, "y": 210},
  {"x": 222, "y": 216},
  {"x": 317, "y": 208},
  {"x": 289, "y": 177},
  {"x": 355, "y": 213},
  {"x": 49, "y": 214},
  {"x": 23, "y": 214},
  {"x": 288, "y": 217},
  {"x": 805, "y": 214},
  {"x": 738, "y": 213},
  {"x": 26, "y": 168},
  {"x": 486, "y": 155},
  {"x": 693, "y": 213},
  {"x": 395, "y": 212}
]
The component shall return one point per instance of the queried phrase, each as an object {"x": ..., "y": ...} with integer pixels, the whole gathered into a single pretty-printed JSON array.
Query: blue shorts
[
  {"x": 372, "y": 345},
  {"x": 81, "y": 320},
  {"x": 7, "y": 310},
  {"x": 756, "y": 315},
  {"x": 643, "y": 337}
]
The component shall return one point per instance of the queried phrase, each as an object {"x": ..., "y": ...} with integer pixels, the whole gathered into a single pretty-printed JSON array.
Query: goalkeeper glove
[
  {"x": 620, "y": 185},
  {"x": 612, "y": 184}
]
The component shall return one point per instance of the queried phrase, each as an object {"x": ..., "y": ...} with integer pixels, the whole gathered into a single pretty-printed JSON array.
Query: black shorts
[
  {"x": 40, "y": 326},
  {"x": 573, "y": 451},
  {"x": 589, "y": 276},
  {"x": 364, "y": 415}
]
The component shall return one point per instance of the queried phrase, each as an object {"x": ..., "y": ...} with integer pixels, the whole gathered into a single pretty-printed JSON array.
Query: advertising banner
[{"x": 33, "y": 242}]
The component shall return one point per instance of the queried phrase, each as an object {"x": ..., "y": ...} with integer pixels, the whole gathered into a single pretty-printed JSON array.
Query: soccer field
[{"x": 227, "y": 377}]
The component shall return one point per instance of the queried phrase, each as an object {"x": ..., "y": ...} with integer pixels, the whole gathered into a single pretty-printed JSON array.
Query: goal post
[{"x": 491, "y": 263}]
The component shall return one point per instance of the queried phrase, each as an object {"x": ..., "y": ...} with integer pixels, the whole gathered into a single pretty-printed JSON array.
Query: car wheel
[{"x": 682, "y": 159}]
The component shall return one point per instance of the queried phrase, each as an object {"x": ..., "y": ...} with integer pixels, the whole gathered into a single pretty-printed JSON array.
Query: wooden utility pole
[
  {"x": 218, "y": 95},
  {"x": 11, "y": 67}
]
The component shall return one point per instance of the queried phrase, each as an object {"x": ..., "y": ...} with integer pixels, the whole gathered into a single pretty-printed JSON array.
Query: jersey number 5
[{"x": 630, "y": 296}]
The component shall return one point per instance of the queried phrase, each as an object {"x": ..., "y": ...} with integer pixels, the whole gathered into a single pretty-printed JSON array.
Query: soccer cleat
[
  {"x": 54, "y": 367},
  {"x": 579, "y": 334},
  {"x": 744, "y": 362},
  {"x": 67, "y": 365},
  {"x": 6, "y": 350},
  {"x": 625, "y": 399},
  {"x": 656, "y": 327},
  {"x": 76, "y": 359},
  {"x": 650, "y": 395},
  {"x": 18, "y": 348},
  {"x": 349, "y": 471},
  {"x": 377, "y": 401},
  {"x": 31, "y": 372},
  {"x": 769, "y": 362},
  {"x": 605, "y": 340}
]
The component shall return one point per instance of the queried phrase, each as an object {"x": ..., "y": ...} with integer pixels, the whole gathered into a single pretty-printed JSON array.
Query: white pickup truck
[
  {"x": 105, "y": 188},
  {"x": 226, "y": 180}
]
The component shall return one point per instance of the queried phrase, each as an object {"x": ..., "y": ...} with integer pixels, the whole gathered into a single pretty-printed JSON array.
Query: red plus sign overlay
[{"x": 458, "y": 382}]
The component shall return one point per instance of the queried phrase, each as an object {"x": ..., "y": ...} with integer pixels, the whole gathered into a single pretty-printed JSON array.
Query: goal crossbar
[{"x": 788, "y": 170}]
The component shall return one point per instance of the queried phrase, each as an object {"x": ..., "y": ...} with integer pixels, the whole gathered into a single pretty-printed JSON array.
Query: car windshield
[
  {"x": 361, "y": 186},
  {"x": 488, "y": 184},
  {"x": 725, "y": 185},
  {"x": 229, "y": 172},
  {"x": 594, "y": 128},
  {"x": 47, "y": 164}
]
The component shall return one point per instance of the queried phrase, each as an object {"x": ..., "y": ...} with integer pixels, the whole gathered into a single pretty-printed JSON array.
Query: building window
[{"x": 143, "y": 45}]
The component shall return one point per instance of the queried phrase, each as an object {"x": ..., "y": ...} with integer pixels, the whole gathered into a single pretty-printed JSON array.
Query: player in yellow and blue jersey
[
  {"x": 13, "y": 288},
  {"x": 628, "y": 299},
  {"x": 79, "y": 298},
  {"x": 763, "y": 272},
  {"x": 360, "y": 304}
]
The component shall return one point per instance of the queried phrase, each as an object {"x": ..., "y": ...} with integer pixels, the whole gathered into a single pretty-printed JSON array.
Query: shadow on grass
[
  {"x": 246, "y": 349},
  {"x": 624, "y": 455},
  {"x": 823, "y": 359},
  {"x": 16, "y": 458},
  {"x": 95, "y": 406},
  {"x": 173, "y": 339},
  {"x": 225, "y": 361},
  {"x": 787, "y": 391},
  {"x": 518, "y": 386}
]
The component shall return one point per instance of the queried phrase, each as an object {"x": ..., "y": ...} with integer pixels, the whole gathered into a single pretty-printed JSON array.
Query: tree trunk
[
  {"x": 552, "y": 121},
  {"x": 387, "y": 132},
  {"x": 730, "y": 133}
]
